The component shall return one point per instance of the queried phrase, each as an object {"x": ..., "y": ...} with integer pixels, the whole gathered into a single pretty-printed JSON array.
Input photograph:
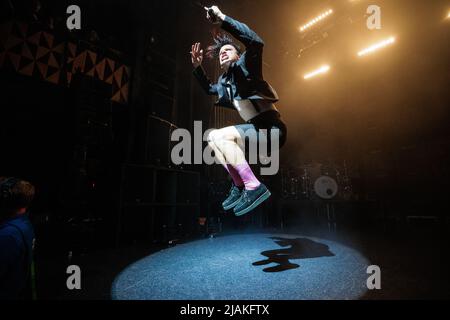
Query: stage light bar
[
  {"x": 321, "y": 70},
  {"x": 316, "y": 20},
  {"x": 376, "y": 46}
]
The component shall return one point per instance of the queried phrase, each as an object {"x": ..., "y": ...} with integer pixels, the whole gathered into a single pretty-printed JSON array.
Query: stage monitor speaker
[
  {"x": 157, "y": 143},
  {"x": 159, "y": 104}
]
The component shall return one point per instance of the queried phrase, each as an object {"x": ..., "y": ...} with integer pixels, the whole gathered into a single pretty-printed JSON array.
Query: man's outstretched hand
[
  {"x": 196, "y": 55},
  {"x": 214, "y": 14}
]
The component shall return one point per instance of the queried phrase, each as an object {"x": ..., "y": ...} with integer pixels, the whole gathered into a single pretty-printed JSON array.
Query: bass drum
[{"x": 326, "y": 187}]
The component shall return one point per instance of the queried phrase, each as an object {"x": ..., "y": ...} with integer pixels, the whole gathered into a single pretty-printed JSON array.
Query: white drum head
[{"x": 326, "y": 187}]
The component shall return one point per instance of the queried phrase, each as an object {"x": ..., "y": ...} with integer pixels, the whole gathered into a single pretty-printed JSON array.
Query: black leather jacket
[{"x": 245, "y": 75}]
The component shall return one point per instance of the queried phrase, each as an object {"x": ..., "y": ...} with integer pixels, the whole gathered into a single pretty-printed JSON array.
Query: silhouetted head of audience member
[{"x": 16, "y": 196}]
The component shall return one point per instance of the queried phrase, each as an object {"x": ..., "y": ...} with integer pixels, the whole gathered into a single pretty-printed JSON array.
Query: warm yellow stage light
[
  {"x": 376, "y": 46},
  {"x": 321, "y": 70},
  {"x": 315, "y": 20}
]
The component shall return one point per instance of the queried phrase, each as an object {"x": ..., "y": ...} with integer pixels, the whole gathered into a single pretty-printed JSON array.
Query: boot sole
[{"x": 257, "y": 202}]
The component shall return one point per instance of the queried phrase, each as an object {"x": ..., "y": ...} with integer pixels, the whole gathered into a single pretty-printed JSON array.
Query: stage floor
[{"x": 257, "y": 266}]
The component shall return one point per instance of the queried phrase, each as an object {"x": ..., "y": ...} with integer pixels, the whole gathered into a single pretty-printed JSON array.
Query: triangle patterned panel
[
  {"x": 42, "y": 67},
  {"x": 28, "y": 70},
  {"x": 90, "y": 73},
  {"x": 118, "y": 76},
  {"x": 111, "y": 64},
  {"x": 70, "y": 61},
  {"x": 93, "y": 56},
  {"x": 71, "y": 54},
  {"x": 23, "y": 62},
  {"x": 26, "y": 52},
  {"x": 14, "y": 59},
  {"x": 46, "y": 40},
  {"x": 37, "y": 73},
  {"x": 35, "y": 38},
  {"x": 115, "y": 87},
  {"x": 59, "y": 48},
  {"x": 41, "y": 52},
  {"x": 116, "y": 97},
  {"x": 79, "y": 63},
  {"x": 52, "y": 61},
  {"x": 91, "y": 59},
  {"x": 71, "y": 49},
  {"x": 125, "y": 75},
  {"x": 51, "y": 70},
  {"x": 33, "y": 49},
  {"x": 59, "y": 57},
  {"x": 110, "y": 79},
  {"x": 100, "y": 69},
  {"x": 124, "y": 93},
  {"x": 109, "y": 71},
  {"x": 36, "y": 53},
  {"x": 54, "y": 78},
  {"x": 69, "y": 66}
]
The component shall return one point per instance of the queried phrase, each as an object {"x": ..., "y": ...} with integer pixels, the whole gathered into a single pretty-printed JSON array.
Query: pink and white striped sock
[{"x": 247, "y": 176}]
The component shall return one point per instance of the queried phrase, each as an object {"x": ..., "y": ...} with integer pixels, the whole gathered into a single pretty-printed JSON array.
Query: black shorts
[{"x": 269, "y": 121}]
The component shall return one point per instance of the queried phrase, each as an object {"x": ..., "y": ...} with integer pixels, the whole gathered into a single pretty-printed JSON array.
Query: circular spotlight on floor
[{"x": 247, "y": 267}]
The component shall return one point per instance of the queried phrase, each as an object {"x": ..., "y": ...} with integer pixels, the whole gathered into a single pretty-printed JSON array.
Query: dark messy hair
[{"x": 221, "y": 40}]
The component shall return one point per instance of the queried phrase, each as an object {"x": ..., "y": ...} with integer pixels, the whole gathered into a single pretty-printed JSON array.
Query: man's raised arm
[
  {"x": 199, "y": 73},
  {"x": 237, "y": 29}
]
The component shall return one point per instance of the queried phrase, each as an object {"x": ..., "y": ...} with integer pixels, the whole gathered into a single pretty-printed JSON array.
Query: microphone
[{"x": 212, "y": 15}]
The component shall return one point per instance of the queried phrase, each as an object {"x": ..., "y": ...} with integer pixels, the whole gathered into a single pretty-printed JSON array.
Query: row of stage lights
[
  {"x": 316, "y": 20},
  {"x": 325, "y": 68}
]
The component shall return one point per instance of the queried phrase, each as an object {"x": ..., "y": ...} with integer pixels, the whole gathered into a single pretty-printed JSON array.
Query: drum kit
[{"x": 317, "y": 181}]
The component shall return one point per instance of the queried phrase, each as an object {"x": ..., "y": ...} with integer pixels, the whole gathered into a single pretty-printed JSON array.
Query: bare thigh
[{"x": 230, "y": 134}]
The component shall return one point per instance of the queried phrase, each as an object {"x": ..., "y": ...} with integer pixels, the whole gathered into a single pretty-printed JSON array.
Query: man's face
[{"x": 227, "y": 55}]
